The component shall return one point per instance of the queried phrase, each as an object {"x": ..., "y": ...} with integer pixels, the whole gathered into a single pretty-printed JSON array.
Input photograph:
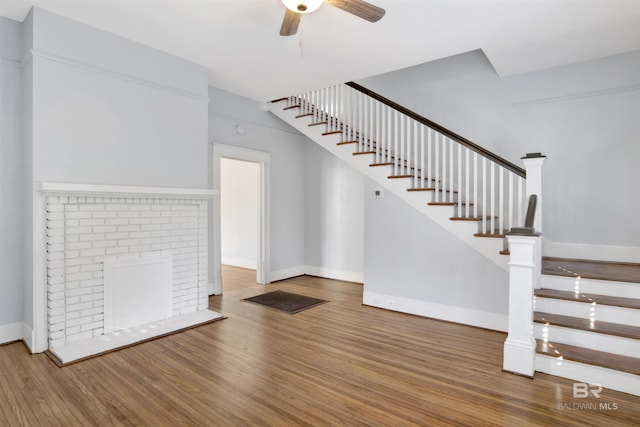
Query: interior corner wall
[
  {"x": 239, "y": 212},
  {"x": 12, "y": 181},
  {"x": 413, "y": 265},
  {"x": 334, "y": 218},
  {"x": 242, "y": 122},
  {"x": 583, "y": 117}
]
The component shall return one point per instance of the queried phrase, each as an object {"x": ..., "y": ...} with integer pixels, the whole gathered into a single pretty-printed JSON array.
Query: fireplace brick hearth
[{"x": 83, "y": 232}]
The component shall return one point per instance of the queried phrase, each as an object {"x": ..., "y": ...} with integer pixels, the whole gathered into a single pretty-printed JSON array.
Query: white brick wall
[{"x": 81, "y": 232}]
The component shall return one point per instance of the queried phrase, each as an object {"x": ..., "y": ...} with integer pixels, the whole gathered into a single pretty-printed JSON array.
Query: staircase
[
  {"x": 474, "y": 194},
  {"x": 586, "y": 324}
]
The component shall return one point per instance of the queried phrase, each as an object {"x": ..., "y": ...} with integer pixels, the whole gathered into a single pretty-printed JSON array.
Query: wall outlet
[{"x": 378, "y": 193}]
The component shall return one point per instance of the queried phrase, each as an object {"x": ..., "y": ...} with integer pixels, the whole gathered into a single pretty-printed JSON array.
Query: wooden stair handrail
[{"x": 441, "y": 129}]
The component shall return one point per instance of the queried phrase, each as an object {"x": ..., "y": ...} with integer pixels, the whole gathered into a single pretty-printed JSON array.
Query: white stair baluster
[
  {"x": 475, "y": 185},
  {"x": 467, "y": 211},
  {"x": 429, "y": 157},
  {"x": 485, "y": 210},
  {"x": 510, "y": 217},
  {"x": 501, "y": 209},
  {"x": 493, "y": 198},
  {"x": 417, "y": 148}
]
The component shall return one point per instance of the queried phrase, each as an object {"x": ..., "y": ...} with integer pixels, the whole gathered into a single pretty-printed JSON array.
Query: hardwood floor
[{"x": 339, "y": 364}]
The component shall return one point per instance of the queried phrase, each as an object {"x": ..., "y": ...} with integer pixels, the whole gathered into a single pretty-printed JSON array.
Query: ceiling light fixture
[{"x": 302, "y": 6}]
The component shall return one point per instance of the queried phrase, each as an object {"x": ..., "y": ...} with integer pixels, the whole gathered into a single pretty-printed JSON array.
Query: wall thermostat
[{"x": 378, "y": 193}]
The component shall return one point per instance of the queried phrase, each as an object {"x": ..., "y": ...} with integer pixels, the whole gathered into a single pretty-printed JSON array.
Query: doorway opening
[
  {"x": 237, "y": 247},
  {"x": 239, "y": 212}
]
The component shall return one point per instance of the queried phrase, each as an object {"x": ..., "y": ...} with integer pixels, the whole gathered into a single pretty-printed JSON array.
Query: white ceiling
[{"x": 238, "y": 41}]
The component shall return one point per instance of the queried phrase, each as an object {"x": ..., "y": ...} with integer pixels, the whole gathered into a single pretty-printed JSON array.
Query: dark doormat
[{"x": 286, "y": 301}]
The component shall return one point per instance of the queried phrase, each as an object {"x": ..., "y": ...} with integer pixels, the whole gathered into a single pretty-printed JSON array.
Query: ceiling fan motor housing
[{"x": 302, "y": 6}]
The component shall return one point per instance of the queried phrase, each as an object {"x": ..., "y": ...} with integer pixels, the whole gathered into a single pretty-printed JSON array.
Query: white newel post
[
  {"x": 524, "y": 276},
  {"x": 525, "y": 265},
  {"x": 533, "y": 165}
]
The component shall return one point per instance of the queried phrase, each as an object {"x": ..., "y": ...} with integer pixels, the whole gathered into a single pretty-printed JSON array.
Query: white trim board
[
  {"x": 10, "y": 332},
  {"x": 331, "y": 273},
  {"x": 449, "y": 313},
  {"x": 239, "y": 262},
  {"x": 264, "y": 230},
  {"x": 101, "y": 189},
  {"x": 39, "y": 53},
  {"x": 326, "y": 273}
]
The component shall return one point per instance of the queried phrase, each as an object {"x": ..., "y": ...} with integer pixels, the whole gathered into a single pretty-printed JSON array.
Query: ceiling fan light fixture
[{"x": 302, "y": 6}]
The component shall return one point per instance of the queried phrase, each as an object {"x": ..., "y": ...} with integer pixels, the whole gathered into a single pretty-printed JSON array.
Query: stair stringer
[{"x": 464, "y": 230}]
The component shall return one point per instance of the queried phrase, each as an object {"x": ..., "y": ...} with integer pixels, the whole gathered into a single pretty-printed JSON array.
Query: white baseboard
[
  {"x": 592, "y": 252},
  {"x": 330, "y": 273},
  {"x": 286, "y": 273},
  {"x": 29, "y": 338},
  {"x": 10, "y": 332},
  {"x": 239, "y": 262},
  {"x": 465, "y": 316}
]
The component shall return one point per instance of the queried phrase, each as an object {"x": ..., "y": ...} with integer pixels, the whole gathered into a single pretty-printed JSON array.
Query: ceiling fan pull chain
[{"x": 300, "y": 41}]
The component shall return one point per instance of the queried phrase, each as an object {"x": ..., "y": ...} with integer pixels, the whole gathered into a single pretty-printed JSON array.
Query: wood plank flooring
[{"x": 338, "y": 364}]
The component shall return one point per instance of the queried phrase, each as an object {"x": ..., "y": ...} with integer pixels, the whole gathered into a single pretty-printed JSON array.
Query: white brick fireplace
[{"x": 143, "y": 248}]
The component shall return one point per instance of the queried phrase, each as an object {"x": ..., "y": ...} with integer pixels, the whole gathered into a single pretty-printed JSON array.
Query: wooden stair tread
[
  {"x": 505, "y": 252},
  {"x": 597, "y": 326},
  {"x": 468, "y": 218},
  {"x": 496, "y": 235},
  {"x": 590, "y": 357},
  {"x": 359, "y": 153},
  {"x": 381, "y": 164},
  {"x": 399, "y": 176},
  {"x": 299, "y": 116},
  {"x": 317, "y": 124},
  {"x": 333, "y": 132},
  {"x": 588, "y": 298},
  {"x": 347, "y": 142},
  {"x": 449, "y": 204},
  {"x": 279, "y": 100},
  {"x": 291, "y": 107},
  {"x": 587, "y": 269}
]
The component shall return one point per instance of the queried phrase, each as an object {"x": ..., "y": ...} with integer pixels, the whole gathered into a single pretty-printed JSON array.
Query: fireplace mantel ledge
[{"x": 96, "y": 190}]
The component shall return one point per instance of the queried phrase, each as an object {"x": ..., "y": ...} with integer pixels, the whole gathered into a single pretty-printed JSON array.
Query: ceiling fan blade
[
  {"x": 290, "y": 23},
  {"x": 359, "y": 8}
]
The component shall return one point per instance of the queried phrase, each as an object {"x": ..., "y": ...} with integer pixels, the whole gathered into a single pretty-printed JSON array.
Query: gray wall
[
  {"x": 264, "y": 132},
  {"x": 12, "y": 196},
  {"x": 110, "y": 111},
  {"x": 583, "y": 116},
  {"x": 409, "y": 256},
  {"x": 335, "y": 215}
]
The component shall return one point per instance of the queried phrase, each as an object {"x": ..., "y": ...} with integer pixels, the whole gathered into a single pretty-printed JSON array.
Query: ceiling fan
[{"x": 296, "y": 8}]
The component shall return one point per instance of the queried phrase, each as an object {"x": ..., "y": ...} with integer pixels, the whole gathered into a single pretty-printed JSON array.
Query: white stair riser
[
  {"x": 604, "y": 313},
  {"x": 592, "y": 340},
  {"x": 591, "y": 286},
  {"x": 581, "y": 372}
]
